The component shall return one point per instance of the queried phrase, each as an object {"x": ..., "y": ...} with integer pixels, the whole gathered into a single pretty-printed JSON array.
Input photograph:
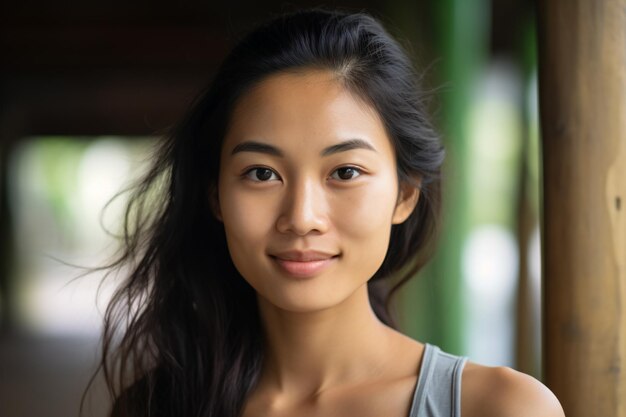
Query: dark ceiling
[
  {"x": 116, "y": 67},
  {"x": 131, "y": 67}
]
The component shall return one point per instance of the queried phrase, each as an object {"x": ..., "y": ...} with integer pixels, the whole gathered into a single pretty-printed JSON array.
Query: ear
[
  {"x": 408, "y": 197},
  {"x": 214, "y": 202}
]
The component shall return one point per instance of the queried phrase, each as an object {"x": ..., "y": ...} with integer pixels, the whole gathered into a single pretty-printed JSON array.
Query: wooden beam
[
  {"x": 78, "y": 48},
  {"x": 582, "y": 64},
  {"x": 98, "y": 104}
]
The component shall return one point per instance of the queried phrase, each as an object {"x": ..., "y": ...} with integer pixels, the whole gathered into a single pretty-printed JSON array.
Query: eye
[
  {"x": 261, "y": 174},
  {"x": 346, "y": 173}
]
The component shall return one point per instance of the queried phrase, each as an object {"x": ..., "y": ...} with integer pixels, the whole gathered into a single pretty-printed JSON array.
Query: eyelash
[{"x": 249, "y": 173}]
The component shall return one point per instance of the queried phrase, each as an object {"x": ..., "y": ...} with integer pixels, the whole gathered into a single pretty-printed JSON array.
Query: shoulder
[{"x": 505, "y": 392}]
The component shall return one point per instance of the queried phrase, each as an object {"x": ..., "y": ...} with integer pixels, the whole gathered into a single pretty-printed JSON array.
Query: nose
[{"x": 304, "y": 210}]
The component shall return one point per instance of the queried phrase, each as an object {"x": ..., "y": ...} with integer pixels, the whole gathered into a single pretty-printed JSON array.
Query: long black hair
[{"x": 182, "y": 334}]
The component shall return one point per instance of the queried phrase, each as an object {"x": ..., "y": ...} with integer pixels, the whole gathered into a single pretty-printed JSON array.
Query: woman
[{"x": 261, "y": 242}]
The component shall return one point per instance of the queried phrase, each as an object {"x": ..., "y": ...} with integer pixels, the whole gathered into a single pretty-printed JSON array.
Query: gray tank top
[{"x": 438, "y": 389}]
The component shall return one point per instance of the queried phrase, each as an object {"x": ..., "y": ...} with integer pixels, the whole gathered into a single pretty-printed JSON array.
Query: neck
[{"x": 308, "y": 352}]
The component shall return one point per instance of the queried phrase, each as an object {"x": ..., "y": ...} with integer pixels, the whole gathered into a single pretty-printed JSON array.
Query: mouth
[{"x": 304, "y": 264}]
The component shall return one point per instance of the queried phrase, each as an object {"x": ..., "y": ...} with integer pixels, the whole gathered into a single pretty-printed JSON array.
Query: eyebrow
[{"x": 259, "y": 147}]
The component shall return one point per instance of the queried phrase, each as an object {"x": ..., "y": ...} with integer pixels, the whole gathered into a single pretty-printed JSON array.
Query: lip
[{"x": 303, "y": 264}]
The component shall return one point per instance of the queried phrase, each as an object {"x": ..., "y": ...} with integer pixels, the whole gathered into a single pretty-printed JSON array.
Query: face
[{"x": 308, "y": 191}]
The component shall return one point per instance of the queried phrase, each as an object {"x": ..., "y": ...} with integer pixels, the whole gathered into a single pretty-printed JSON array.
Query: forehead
[{"x": 305, "y": 110}]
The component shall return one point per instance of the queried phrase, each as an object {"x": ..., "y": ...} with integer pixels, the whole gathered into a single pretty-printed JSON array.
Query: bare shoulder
[{"x": 504, "y": 392}]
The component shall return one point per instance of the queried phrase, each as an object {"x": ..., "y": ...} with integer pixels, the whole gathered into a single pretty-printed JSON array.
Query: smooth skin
[{"x": 308, "y": 192}]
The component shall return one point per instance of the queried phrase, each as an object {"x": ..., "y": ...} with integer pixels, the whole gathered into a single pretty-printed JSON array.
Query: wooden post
[{"x": 582, "y": 75}]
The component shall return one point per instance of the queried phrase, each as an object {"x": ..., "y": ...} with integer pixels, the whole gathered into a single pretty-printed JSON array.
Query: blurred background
[{"x": 86, "y": 88}]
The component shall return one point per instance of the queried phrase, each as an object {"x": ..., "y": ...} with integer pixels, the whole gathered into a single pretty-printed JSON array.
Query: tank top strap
[{"x": 438, "y": 389}]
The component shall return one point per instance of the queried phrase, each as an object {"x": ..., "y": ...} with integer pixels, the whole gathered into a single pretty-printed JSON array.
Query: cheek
[
  {"x": 246, "y": 218},
  {"x": 366, "y": 211},
  {"x": 246, "y": 223},
  {"x": 364, "y": 222}
]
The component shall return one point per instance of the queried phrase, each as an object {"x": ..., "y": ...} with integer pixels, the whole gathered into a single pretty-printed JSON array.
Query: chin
[
  {"x": 302, "y": 305},
  {"x": 307, "y": 300}
]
